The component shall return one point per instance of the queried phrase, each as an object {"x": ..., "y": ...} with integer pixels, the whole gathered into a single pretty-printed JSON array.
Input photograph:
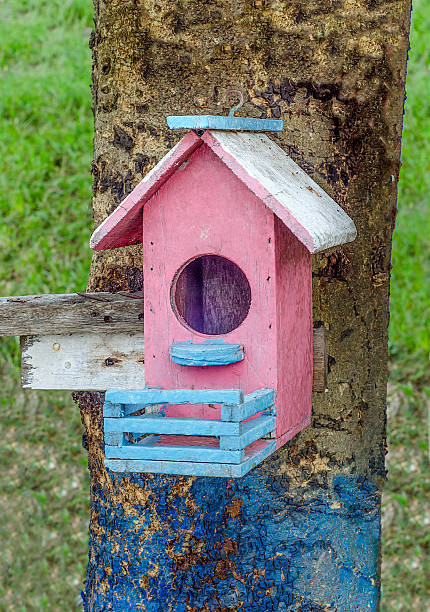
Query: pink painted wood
[
  {"x": 200, "y": 200},
  {"x": 205, "y": 209},
  {"x": 295, "y": 334}
]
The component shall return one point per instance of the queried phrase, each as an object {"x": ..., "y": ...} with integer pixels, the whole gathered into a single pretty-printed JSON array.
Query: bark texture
[{"x": 301, "y": 532}]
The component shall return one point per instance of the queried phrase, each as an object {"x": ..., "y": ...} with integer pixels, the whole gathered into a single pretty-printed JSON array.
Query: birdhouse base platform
[{"x": 140, "y": 438}]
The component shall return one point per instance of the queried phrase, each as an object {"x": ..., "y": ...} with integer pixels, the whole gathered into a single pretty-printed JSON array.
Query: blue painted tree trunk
[
  {"x": 301, "y": 531},
  {"x": 251, "y": 544}
]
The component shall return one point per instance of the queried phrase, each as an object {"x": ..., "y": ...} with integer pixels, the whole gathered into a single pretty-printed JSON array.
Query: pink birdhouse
[{"x": 228, "y": 224}]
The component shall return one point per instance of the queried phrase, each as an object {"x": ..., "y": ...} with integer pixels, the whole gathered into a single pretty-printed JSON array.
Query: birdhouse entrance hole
[{"x": 211, "y": 295}]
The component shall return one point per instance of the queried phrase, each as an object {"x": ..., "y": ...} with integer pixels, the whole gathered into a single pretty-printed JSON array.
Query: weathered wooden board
[
  {"x": 31, "y": 315},
  {"x": 96, "y": 362},
  {"x": 83, "y": 361},
  {"x": 320, "y": 360}
]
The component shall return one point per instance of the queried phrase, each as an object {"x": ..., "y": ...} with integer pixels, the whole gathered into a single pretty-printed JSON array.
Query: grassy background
[
  {"x": 45, "y": 194},
  {"x": 45, "y": 156}
]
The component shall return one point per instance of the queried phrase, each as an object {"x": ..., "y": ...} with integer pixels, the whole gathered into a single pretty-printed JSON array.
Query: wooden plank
[
  {"x": 320, "y": 360},
  {"x": 252, "y": 403},
  {"x": 249, "y": 433},
  {"x": 294, "y": 313},
  {"x": 306, "y": 209},
  {"x": 172, "y": 426},
  {"x": 170, "y": 452},
  {"x": 92, "y": 362},
  {"x": 96, "y": 362},
  {"x": 219, "y": 122},
  {"x": 31, "y": 315},
  {"x": 188, "y": 468},
  {"x": 175, "y": 396}
]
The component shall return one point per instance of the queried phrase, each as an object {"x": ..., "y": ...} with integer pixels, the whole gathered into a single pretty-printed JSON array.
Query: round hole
[{"x": 211, "y": 295}]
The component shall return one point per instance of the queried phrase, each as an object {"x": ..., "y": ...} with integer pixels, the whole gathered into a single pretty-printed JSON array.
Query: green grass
[
  {"x": 44, "y": 500},
  {"x": 406, "y": 540},
  {"x": 45, "y": 145},
  {"x": 45, "y": 157},
  {"x": 45, "y": 195},
  {"x": 406, "y": 521},
  {"x": 410, "y": 280}
]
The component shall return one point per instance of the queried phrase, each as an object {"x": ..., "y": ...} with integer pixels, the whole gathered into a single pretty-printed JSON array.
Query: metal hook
[{"x": 241, "y": 100}]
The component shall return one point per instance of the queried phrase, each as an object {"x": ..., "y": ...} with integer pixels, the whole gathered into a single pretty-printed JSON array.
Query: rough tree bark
[{"x": 300, "y": 532}]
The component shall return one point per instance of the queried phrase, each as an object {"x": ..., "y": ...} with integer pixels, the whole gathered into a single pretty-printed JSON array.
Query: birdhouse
[{"x": 228, "y": 225}]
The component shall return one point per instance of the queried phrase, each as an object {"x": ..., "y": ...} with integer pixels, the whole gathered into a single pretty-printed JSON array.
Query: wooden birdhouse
[{"x": 228, "y": 225}]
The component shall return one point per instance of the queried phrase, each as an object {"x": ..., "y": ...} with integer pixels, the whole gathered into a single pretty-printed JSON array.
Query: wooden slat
[
  {"x": 172, "y": 426},
  {"x": 253, "y": 457},
  {"x": 114, "y": 438},
  {"x": 92, "y": 362},
  {"x": 121, "y": 410},
  {"x": 30, "y": 315},
  {"x": 320, "y": 360},
  {"x": 220, "y": 122},
  {"x": 175, "y": 396},
  {"x": 249, "y": 433},
  {"x": 96, "y": 362},
  {"x": 205, "y": 355},
  {"x": 170, "y": 452},
  {"x": 252, "y": 403}
]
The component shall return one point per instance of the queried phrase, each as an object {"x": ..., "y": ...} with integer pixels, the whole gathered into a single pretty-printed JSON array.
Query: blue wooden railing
[{"x": 140, "y": 438}]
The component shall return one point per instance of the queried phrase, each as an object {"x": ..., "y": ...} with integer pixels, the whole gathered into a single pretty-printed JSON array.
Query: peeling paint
[{"x": 245, "y": 545}]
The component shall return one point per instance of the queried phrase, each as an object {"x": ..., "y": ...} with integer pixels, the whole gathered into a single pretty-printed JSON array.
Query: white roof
[{"x": 310, "y": 213}]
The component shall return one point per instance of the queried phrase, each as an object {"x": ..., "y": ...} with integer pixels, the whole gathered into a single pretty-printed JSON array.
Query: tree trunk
[{"x": 301, "y": 531}]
